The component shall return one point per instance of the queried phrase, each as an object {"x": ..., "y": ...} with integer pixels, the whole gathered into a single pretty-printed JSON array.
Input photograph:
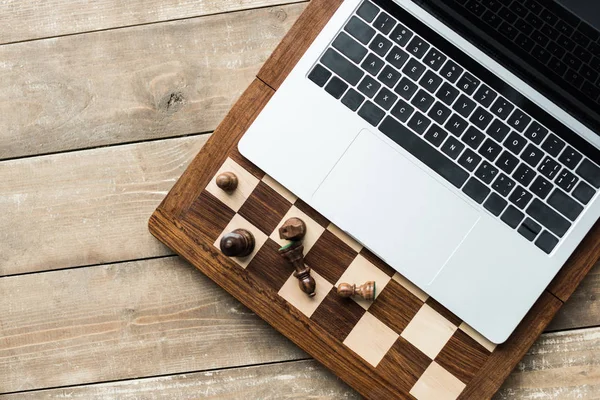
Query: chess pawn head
[
  {"x": 227, "y": 181},
  {"x": 239, "y": 243}
]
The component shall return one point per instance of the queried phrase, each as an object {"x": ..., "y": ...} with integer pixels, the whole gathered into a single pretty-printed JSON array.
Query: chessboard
[{"x": 403, "y": 344}]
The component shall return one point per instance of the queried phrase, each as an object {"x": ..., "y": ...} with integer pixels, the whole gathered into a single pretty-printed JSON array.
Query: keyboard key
[
  {"x": 509, "y": 31},
  {"x": 529, "y": 229},
  {"x": 549, "y": 168},
  {"x": 481, "y": 118},
  {"x": 584, "y": 192},
  {"x": 503, "y": 185},
  {"x": 342, "y": 67},
  {"x": 512, "y": 217},
  {"x": 495, "y": 204},
  {"x": 401, "y": 35},
  {"x": 485, "y": 96},
  {"x": 565, "y": 205},
  {"x": 502, "y": 108},
  {"x": 424, "y": 152},
  {"x": 464, "y": 106},
  {"x": 430, "y": 82},
  {"x": 439, "y": 113},
  {"x": 519, "y": 120},
  {"x": 319, "y": 75},
  {"x": 549, "y": 218},
  {"x": 422, "y": 100},
  {"x": 353, "y": 99},
  {"x": 402, "y": 110},
  {"x": 476, "y": 190},
  {"x": 536, "y": 133},
  {"x": 486, "y": 172},
  {"x": 570, "y": 157},
  {"x": 371, "y": 113},
  {"x": 372, "y": 64},
  {"x": 368, "y": 11},
  {"x": 350, "y": 47},
  {"x": 447, "y": 94},
  {"x": 384, "y": 23},
  {"x": 456, "y": 125},
  {"x": 473, "y": 138},
  {"x": 452, "y": 147},
  {"x": 566, "y": 180},
  {"x": 490, "y": 150},
  {"x": 369, "y": 86},
  {"x": 435, "y": 59},
  {"x": 336, "y": 87},
  {"x": 553, "y": 145},
  {"x": 469, "y": 160},
  {"x": 520, "y": 197},
  {"x": 451, "y": 71},
  {"x": 380, "y": 45},
  {"x": 541, "y": 187},
  {"x": 406, "y": 88},
  {"x": 419, "y": 123},
  {"x": 507, "y": 162},
  {"x": 498, "y": 130},
  {"x": 590, "y": 172},
  {"x": 385, "y": 99},
  {"x": 417, "y": 47},
  {"x": 359, "y": 30},
  {"x": 546, "y": 242},
  {"x": 468, "y": 83},
  {"x": 515, "y": 143},
  {"x": 397, "y": 57},
  {"x": 532, "y": 155},
  {"x": 436, "y": 135},
  {"x": 524, "y": 175},
  {"x": 389, "y": 76},
  {"x": 414, "y": 69}
]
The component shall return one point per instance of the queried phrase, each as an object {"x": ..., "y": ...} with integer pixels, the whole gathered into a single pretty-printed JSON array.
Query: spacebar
[{"x": 424, "y": 152}]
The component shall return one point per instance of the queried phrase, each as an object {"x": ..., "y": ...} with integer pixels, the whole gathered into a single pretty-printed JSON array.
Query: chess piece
[
  {"x": 239, "y": 243},
  {"x": 292, "y": 229},
  {"x": 227, "y": 181},
  {"x": 294, "y": 253},
  {"x": 366, "y": 291}
]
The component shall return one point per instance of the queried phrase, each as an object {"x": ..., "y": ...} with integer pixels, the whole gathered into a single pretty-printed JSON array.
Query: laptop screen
[{"x": 554, "y": 45}]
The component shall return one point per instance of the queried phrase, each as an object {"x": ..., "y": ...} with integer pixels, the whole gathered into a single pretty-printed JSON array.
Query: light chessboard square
[
  {"x": 239, "y": 222},
  {"x": 437, "y": 384},
  {"x": 371, "y": 339},
  {"x": 313, "y": 229},
  {"x": 429, "y": 331},
  {"x": 296, "y": 297},
  {"x": 361, "y": 271},
  {"x": 246, "y": 184}
]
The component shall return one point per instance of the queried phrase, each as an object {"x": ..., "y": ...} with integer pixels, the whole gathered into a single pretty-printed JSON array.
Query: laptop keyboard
[{"x": 458, "y": 125}]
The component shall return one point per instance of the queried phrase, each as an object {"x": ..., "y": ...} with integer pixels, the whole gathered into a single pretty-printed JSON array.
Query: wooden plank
[
  {"x": 87, "y": 207},
  {"x": 28, "y": 20},
  {"x": 132, "y": 84},
  {"x": 122, "y": 321}
]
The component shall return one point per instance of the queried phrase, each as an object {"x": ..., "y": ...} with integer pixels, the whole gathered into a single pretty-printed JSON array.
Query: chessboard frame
[{"x": 171, "y": 223}]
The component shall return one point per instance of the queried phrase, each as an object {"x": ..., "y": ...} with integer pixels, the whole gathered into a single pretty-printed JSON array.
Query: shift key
[
  {"x": 342, "y": 67},
  {"x": 546, "y": 216}
]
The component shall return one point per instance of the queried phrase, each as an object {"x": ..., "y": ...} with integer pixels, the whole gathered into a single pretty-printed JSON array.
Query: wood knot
[
  {"x": 172, "y": 102},
  {"x": 279, "y": 13}
]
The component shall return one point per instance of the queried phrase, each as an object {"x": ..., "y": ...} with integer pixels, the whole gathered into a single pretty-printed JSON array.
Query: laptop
[{"x": 456, "y": 139}]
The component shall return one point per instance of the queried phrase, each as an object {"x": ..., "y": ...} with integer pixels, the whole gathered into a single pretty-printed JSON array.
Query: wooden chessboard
[{"x": 401, "y": 345}]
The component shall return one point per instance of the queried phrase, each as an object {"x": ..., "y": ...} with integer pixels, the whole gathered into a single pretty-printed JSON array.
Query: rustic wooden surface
[{"x": 91, "y": 304}]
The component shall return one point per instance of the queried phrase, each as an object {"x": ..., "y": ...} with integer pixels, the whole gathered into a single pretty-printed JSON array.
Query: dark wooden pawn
[
  {"x": 366, "y": 291},
  {"x": 239, "y": 243},
  {"x": 293, "y": 229},
  {"x": 294, "y": 253},
  {"x": 227, "y": 181}
]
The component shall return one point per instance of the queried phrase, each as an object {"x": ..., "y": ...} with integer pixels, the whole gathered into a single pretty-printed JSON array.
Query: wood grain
[
  {"x": 122, "y": 321},
  {"x": 86, "y": 207},
  {"x": 133, "y": 84},
  {"x": 30, "y": 20}
]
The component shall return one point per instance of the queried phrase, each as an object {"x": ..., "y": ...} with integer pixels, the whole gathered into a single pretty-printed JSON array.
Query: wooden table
[{"x": 101, "y": 109}]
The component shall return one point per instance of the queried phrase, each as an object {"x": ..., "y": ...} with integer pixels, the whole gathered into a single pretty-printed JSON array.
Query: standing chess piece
[
  {"x": 239, "y": 243},
  {"x": 294, "y": 253},
  {"x": 293, "y": 229},
  {"x": 227, "y": 181},
  {"x": 366, "y": 291}
]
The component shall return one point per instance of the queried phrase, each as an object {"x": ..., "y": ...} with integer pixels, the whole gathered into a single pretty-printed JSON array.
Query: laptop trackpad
[{"x": 395, "y": 208}]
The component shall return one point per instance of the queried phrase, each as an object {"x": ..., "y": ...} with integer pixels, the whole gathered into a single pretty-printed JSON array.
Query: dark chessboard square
[
  {"x": 265, "y": 208},
  {"x": 443, "y": 311},
  {"x": 308, "y": 210},
  {"x": 462, "y": 356},
  {"x": 337, "y": 315},
  {"x": 209, "y": 216},
  {"x": 269, "y": 267},
  {"x": 330, "y": 257},
  {"x": 403, "y": 364},
  {"x": 373, "y": 259},
  {"x": 395, "y": 306}
]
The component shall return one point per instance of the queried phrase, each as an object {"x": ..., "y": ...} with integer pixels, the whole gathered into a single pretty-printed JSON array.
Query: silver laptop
[{"x": 456, "y": 139}]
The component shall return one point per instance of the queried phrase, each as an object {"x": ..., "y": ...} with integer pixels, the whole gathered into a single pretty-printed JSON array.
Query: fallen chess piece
[
  {"x": 294, "y": 253},
  {"x": 227, "y": 181},
  {"x": 239, "y": 243},
  {"x": 366, "y": 291},
  {"x": 293, "y": 229}
]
